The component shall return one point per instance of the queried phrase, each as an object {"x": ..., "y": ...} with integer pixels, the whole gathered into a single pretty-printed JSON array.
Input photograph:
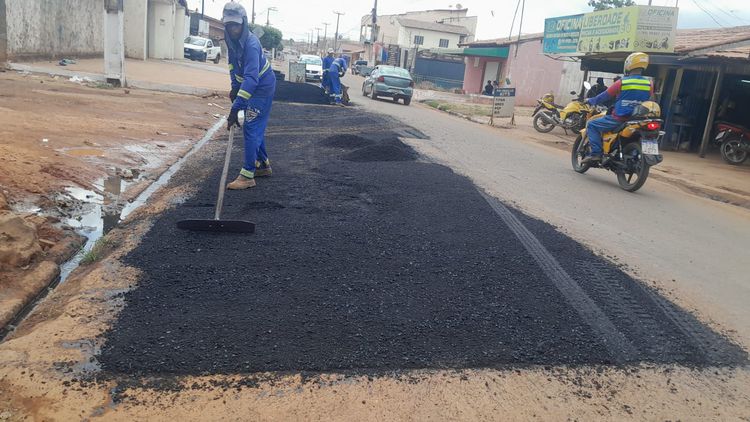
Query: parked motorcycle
[
  {"x": 629, "y": 151},
  {"x": 733, "y": 141},
  {"x": 547, "y": 102},
  {"x": 573, "y": 116}
]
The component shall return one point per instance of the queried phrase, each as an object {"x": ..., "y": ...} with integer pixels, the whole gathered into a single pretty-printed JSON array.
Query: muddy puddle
[{"x": 98, "y": 210}]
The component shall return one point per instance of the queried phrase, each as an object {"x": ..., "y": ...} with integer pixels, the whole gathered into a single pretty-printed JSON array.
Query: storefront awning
[{"x": 496, "y": 52}]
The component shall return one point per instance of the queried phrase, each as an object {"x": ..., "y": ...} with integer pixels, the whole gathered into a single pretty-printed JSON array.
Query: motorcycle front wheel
[
  {"x": 731, "y": 152},
  {"x": 541, "y": 125},
  {"x": 636, "y": 169},
  {"x": 579, "y": 151}
]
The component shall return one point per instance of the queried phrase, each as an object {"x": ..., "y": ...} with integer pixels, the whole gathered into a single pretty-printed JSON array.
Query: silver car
[{"x": 389, "y": 81}]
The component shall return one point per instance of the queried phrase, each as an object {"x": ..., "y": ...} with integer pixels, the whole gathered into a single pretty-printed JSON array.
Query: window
[
  {"x": 418, "y": 40},
  {"x": 443, "y": 43}
]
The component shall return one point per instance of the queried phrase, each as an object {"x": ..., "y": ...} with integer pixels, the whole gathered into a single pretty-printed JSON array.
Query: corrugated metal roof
[{"x": 433, "y": 26}]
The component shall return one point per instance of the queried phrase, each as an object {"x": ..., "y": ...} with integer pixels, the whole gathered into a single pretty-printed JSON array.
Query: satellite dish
[{"x": 459, "y": 6}]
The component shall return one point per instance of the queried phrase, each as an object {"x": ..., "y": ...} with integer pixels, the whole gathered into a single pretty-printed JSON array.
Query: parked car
[
  {"x": 356, "y": 66},
  {"x": 199, "y": 48},
  {"x": 313, "y": 67},
  {"x": 389, "y": 81}
]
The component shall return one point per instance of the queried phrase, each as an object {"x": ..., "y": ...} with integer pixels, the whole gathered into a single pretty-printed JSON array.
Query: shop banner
[
  {"x": 626, "y": 29},
  {"x": 561, "y": 34}
]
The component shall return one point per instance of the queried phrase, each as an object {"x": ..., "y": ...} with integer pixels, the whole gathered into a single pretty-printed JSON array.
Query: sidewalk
[
  {"x": 179, "y": 76},
  {"x": 708, "y": 177}
]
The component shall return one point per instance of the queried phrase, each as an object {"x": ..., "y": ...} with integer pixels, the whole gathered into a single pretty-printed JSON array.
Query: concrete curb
[{"x": 95, "y": 77}]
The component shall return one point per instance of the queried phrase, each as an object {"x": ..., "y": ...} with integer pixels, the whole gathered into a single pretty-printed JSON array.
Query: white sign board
[{"x": 504, "y": 103}]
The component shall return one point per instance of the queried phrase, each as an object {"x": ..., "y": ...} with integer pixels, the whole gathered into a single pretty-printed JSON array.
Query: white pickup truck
[{"x": 199, "y": 48}]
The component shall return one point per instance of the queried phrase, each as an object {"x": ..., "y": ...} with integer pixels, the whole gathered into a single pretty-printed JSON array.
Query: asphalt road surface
[
  {"x": 693, "y": 247},
  {"x": 369, "y": 258}
]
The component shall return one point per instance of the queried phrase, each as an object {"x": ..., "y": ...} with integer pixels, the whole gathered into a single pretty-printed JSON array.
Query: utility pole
[
  {"x": 520, "y": 26},
  {"x": 317, "y": 43},
  {"x": 336, "y": 40},
  {"x": 325, "y": 36},
  {"x": 373, "y": 30},
  {"x": 252, "y": 19},
  {"x": 203, "y": 8},
  {"x": 268, "y": 15}
]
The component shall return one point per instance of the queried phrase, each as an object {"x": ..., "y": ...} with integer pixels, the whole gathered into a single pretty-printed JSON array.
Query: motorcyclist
[
  {"x": 629, "y": 92},
  {"x": 327, "y": 61}
]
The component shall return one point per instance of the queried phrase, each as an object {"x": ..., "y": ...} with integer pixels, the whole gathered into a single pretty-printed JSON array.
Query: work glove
[
  {"x": 233, "y": 93},
  {"x": 233, "y": 118}
]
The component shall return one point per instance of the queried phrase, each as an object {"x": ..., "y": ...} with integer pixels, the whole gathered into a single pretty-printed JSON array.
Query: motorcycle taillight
[{"x": 653, "y": 126}]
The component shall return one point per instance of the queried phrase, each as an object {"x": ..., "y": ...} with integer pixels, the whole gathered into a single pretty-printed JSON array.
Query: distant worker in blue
[
  {"x": 629, "y": 92},
  {"x": 335, "y": 72},
  {"x": 253, "y": 87},
  {"x": 327, "y": 61}
]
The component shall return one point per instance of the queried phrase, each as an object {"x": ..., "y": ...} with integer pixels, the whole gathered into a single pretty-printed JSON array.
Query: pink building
[{"x": 519, "y": 64}]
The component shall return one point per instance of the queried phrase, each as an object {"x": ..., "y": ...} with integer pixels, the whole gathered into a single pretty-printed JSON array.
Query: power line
[{"x": 707, "y": 13}]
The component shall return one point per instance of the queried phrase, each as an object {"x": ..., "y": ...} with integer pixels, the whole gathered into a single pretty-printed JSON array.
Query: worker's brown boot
[
  {"x": 241, "y": 182},
  {"x": 263, "y": 169}
]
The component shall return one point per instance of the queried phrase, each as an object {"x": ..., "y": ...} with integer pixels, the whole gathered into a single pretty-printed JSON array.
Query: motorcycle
[
  {"x": 572, "y": 117},
  {"x": 547, "y": 102},
  {"x": 733, "y": 141},
  {"x": 629, "y": 151}
]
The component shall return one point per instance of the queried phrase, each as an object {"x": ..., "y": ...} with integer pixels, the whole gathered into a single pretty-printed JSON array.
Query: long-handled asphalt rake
[{"x": 217, "y": 224}]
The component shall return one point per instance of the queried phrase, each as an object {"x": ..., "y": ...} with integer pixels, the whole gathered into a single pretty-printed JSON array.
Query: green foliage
[
  {"x": 97, "y": 251},
  {"x": 610, "y": 4},
  {"x": 272, "y": 37}
]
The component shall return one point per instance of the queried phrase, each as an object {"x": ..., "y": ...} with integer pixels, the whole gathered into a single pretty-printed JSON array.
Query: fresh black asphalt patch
[{"x": 367, "y": 259}]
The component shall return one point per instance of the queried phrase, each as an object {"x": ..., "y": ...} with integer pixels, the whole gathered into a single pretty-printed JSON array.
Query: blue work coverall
[
  {"x": 630, "y": 91},
  {"x": 326, "y": 82},
  {"x": 255, "y": 83},
  {"x": 338, "y": 66}
]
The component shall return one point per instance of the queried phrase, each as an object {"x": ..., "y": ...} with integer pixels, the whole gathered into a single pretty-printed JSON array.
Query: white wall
[
  {"x": 161, "y": 21},
  {"x": 431, "y": 38},
  {"x": 179, "y": 32},
  {"x": 54, "y": 29},
  {"x": 389, "y": 26},
  {"x": 136, "y": 19},
  {"x": 572, "y": 80}
]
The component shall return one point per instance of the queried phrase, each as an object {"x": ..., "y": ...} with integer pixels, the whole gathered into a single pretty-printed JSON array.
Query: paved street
[{"x": 692, "y": 247}]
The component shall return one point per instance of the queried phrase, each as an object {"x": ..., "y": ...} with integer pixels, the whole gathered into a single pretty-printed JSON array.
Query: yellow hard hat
[
  {"x": 636, "y": 61},
  {"x": 647, "y": 109}
]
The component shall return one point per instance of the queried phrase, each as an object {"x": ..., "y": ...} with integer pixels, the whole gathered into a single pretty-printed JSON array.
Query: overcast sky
[{"x": 296, "y": 18}]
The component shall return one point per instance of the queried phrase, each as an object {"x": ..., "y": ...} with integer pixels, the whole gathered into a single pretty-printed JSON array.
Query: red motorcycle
[{"x": 733, "y": 141}]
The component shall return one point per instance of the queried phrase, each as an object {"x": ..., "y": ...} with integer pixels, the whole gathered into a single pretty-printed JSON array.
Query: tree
[
  {"x": 272, "y": 37},
  {"x": 609, "y": 4}
]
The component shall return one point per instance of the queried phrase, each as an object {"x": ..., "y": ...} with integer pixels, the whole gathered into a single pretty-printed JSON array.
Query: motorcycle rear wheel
[
  {"x": 541, "y": 125},
  {"x": 640, "y": 168},
  {"x": 579, "y": 151},
  {"x": 730, "y": 151}
]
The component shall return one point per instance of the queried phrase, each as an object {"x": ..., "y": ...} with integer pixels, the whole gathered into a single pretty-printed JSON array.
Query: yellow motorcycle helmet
[
  {"x": 647, "y": 110},
  {"x": 636, "y": 61}
]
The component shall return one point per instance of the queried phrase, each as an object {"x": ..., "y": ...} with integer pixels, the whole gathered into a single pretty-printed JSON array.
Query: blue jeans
[
  {"x": 595, "y": 130},
  {"x": 256, "y": 120}
]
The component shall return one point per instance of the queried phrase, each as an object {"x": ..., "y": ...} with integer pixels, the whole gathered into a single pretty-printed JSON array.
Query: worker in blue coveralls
[
  {"x": 629, "y": 92},
  {"x": 253, "y": 87},
  {"x": 327, "y": 61},
  {"x": 335, "y": 72}
]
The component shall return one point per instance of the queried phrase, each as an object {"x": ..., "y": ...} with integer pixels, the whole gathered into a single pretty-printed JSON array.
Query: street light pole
[
  {"x": 252, "y": 19},
  {"x": 268, "y": 15},
  {"x": 336, "y": 39},
  {"x": 317, "y": 43},
  {"x": 325, "y": 36}
]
